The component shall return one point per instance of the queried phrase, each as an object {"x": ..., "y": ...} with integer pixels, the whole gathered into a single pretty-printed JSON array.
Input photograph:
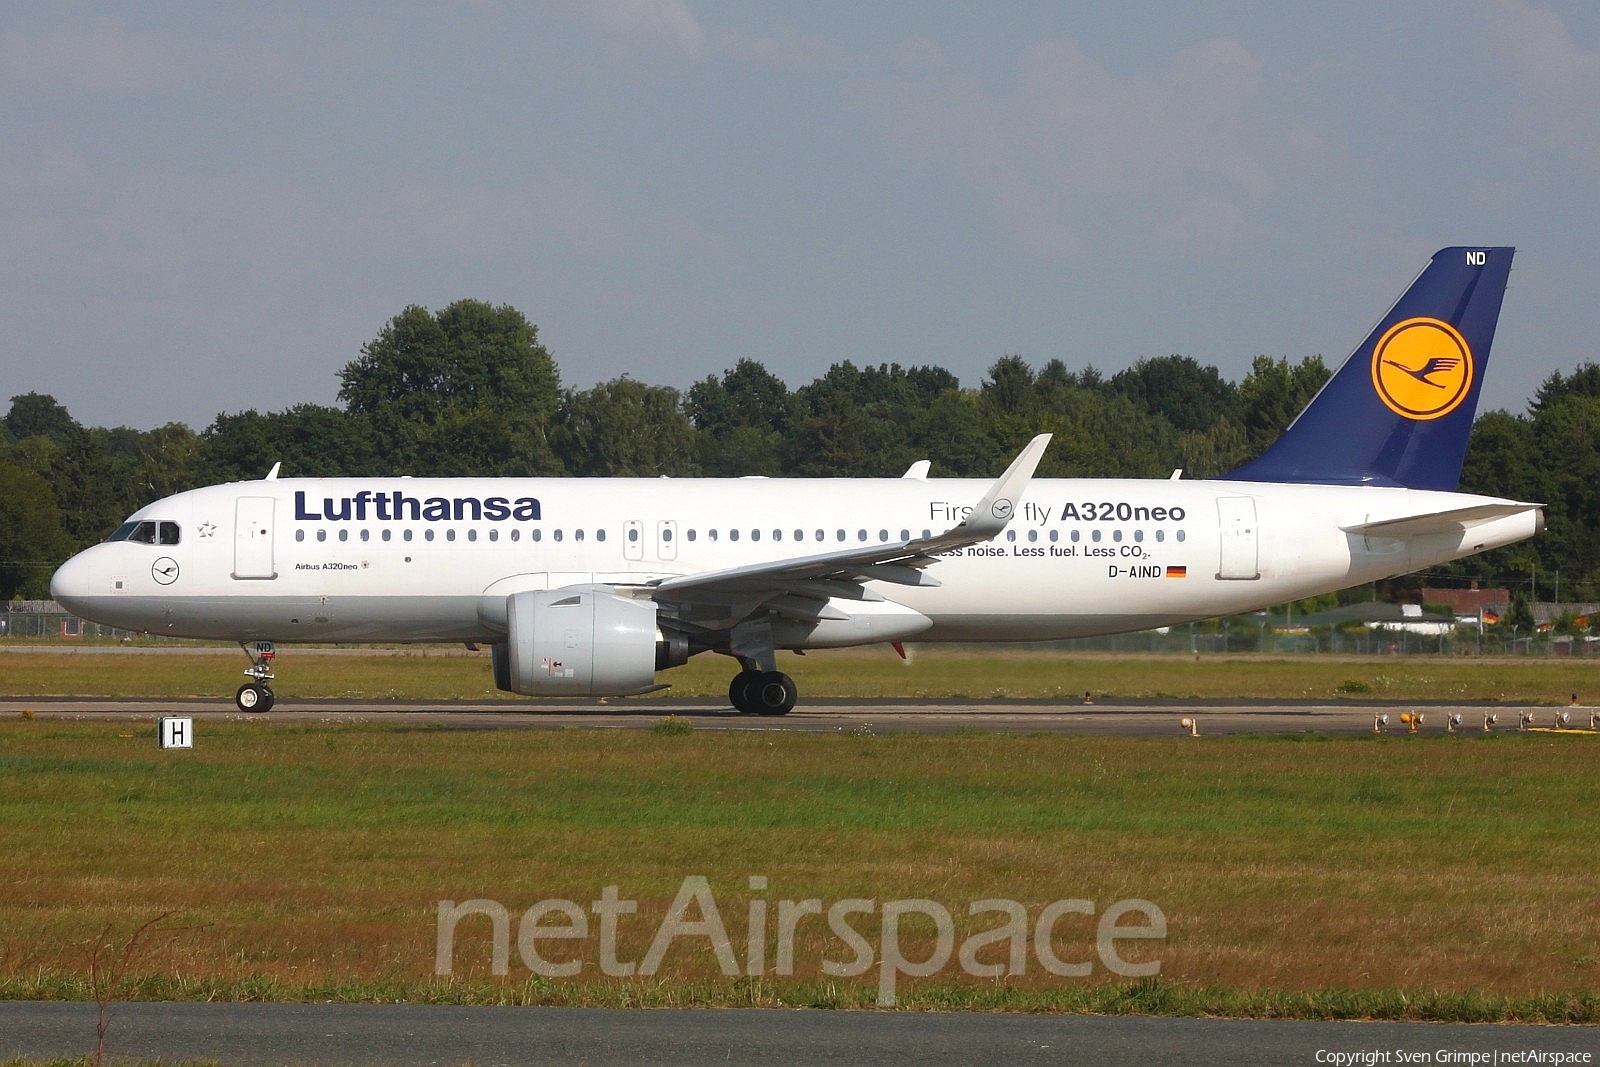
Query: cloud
[
  {"x": 667, "y": 22},
  {"x": 1543, "y": 49},
  {"x": 469, "y": 220},
  {"x": 1071, "y": 139},
  {"x": 105, "y": 59},
  {"x": 1554, "y": 79}
]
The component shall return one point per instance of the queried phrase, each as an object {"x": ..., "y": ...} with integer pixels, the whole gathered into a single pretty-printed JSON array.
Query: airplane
[{"x": 591, "y": 587}]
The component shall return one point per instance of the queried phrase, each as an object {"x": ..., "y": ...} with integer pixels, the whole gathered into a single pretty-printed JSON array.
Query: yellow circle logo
[{"x": 1422, "y": 369}]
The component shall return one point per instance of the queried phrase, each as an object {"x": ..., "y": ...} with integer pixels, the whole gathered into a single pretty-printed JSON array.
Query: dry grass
[
  {"x": 939, "y": 671},
  {"x": 313, "y": 860}
]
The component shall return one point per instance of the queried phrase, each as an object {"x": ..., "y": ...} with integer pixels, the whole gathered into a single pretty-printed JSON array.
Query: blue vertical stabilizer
[{"x": 1400, "y": 409}]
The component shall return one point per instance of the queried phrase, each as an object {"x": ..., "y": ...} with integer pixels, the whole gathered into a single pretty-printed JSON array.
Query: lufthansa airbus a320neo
[{"x": 593, "y": 587}]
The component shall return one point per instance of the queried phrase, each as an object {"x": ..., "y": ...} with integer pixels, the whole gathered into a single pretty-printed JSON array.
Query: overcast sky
[{"x": 211, "y": 207}]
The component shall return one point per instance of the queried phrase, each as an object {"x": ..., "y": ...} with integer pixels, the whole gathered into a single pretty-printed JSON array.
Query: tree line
[{"x": 470, "y": 390}]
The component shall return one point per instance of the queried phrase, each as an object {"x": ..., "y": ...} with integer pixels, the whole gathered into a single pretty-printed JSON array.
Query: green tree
[
  {"x": 863, "y": 421},
  {"x": 1190, "y": 396},
  {"x": 310, "y": 440},
  {"x": 1566, "y": 442},
  {"x": 32, "y": 539},
  {"x": 1273, "y": 393},
  {"x": 38, "y": 415},
  {"x": 625, "y": 428},
  {"x": 466, "y": 391},
  {"x": 741, "y": 419},
  {"x": 1519, "y": 616}
]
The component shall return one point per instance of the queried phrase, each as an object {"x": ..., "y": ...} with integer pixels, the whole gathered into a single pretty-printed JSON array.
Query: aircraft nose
[{"x": 73, "y": 583}]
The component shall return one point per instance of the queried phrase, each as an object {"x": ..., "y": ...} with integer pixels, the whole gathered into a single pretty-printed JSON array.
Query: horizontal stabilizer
[{"x": 1451, "y": 521}]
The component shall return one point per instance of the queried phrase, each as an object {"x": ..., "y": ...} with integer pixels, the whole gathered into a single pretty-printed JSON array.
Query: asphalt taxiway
[
  {"x": 420, "y": 1034},
  {"x": 1130, "y": 719}
]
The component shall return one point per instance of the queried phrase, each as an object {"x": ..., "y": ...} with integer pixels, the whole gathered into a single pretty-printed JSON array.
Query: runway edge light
[{"x": 175, "y": 732}]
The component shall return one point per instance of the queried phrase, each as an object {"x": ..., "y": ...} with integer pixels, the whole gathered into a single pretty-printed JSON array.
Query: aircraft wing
[{"x": 841, "y": 573}]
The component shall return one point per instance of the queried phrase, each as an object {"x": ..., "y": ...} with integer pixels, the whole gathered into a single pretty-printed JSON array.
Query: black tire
[
  {"x": 269, "y": 698},
  {"x": 773, "y": 693},
  {"x": 253, "y": 697},
  {"x": 741, "y": 692}
]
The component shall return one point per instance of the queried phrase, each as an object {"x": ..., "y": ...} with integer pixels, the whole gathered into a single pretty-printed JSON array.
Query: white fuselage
[{"x": 399, "y": 559}]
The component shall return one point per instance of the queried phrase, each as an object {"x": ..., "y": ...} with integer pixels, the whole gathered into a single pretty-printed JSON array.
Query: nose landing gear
[{"x": 256, "y": 695}]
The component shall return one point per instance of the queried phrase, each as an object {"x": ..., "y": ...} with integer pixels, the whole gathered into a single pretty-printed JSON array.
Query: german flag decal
[{"x": 1177, "y": 572}]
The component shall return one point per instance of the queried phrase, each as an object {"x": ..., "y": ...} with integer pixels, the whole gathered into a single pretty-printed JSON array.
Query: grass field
[
  {"x": 433, "y": 673},
  {"x": 1431, "y": 877}
]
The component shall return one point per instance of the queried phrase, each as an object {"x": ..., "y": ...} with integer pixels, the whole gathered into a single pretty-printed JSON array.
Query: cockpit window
[{"x": 148, "y": 533}]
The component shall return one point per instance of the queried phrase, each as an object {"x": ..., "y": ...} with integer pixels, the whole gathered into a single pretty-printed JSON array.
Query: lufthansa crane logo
[{"x": 1422, "y": 369}]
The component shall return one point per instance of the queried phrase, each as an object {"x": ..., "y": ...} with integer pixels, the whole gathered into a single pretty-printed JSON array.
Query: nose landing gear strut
[{"x": 256, "y": 695}]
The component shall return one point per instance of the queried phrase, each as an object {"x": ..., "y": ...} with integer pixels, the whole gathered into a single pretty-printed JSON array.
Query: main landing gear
[
  {"x": 757, "y": 692},
  {"x": 256, "y": 695}
]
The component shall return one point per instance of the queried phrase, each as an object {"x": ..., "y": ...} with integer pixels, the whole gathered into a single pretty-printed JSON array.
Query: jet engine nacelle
[{"x": 564, "y": 642}]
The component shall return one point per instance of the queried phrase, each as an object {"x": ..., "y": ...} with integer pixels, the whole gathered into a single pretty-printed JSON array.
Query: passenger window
[
  {"x": 1033, "y": 535},
  {"x": 1074, "y": 536},
  {"x": 1180, "y": 535},
  {"x": 494, "y": 535},
  {"x": 322, "y": 535},
  {"x": 1094, "y": 535},
  {"x": 800, "y": 535},
  {"x": 427, "y": 535},
  {"x": 299, "y": 535},
  {"x": 905, "y": 535},
  {"x": 516, "y": 535},
  {"x": 556, "y": 535},
  {"x": 1011, "y": 535},
  {"x": 537, "y": 535},
  {"x": 599, "y": 535},
  {"x": 1055, "y": 535},
  {"x": 755, "y": 535},
  {"x": 472, "y": 535},
  {"x": 1161, "y": 535},
  {"x": 577, "y": 535},
  {"x": 407, "y": 535},
  {"x": 387, "y": 535},
  {"x": 1116, "y": 535},
  {"x": 733, "y": 535},
  {"x": 344, "y": 535},
  {"x": 366, "y": 535}
]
